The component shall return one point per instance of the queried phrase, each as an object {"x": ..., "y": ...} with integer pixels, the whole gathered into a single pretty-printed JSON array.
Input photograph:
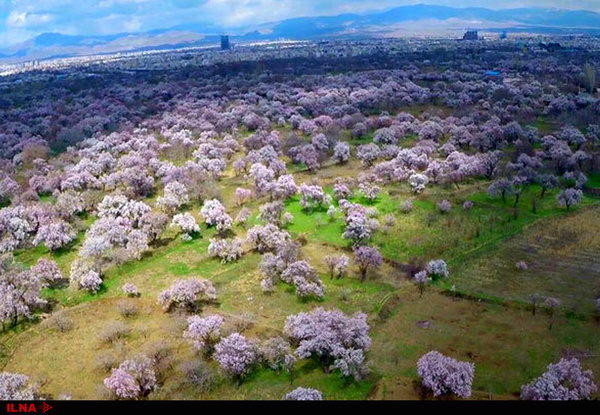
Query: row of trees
[{"x": 441, "y": 376}]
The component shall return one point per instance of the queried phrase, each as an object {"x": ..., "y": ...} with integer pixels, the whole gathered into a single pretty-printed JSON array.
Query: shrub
[
  {"x": 407, "y": 206},
  {"x": 61, "y": 322},
  {"x": 107, "y": 361},
  {"x": 127, "y": 309},
  {"x": 161, "y": 354},
  {"x": 113, "y": 332},
  {"x": 131, "y": 290},
  {"x": 521, "y": 265},
  {"x": 437, "y": 269},
  {"x": 277, "y": 354},
  {"x": 444, "y": 206},
  {"x": 198, "y": 374}
]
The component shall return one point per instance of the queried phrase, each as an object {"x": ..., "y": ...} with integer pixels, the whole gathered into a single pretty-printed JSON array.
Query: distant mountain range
[{"x": 405, "y": 21}]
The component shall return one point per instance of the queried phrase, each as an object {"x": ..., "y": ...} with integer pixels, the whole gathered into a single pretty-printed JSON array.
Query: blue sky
[{"x": 23, "y": 19}]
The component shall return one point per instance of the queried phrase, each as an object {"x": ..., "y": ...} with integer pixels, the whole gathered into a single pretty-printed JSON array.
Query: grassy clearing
[
  {"x": 562, "y": 257},
  {"x": 546, "y": 126},
  {"x": 509, "y": 347}
]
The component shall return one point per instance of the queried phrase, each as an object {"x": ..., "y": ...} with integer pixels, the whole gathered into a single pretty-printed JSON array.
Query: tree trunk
[{"x": 517, "y": 197}]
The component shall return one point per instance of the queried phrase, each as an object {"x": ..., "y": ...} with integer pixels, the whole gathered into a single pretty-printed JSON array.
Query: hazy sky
[{"x": 23, "y": 19}]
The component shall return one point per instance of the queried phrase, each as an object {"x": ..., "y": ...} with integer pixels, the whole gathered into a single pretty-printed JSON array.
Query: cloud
[
  {"x": 20, "y": 18},
  {"x": 24, "y": 19},
  {"x": 113, "y": 3},
  {"x": 117, "y": 23}
]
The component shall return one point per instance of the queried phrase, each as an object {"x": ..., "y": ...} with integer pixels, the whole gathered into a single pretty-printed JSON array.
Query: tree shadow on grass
[
  {"x": 162, "y": 242},
  {"x": 64, "y": 250}
]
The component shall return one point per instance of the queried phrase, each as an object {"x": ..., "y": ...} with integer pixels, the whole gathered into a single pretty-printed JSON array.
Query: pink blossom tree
[
  {"x": 54, "y": 235},
  {"x": 236, "y": 355},
  {"x": 303, "y": 394},
  {"x": 187, "y": 295},
  {"x": 565, "y": 381},
  {"x": 335, "y": 339},
  {"x": 214, "y": 214},
  {"x": 133, "y": 379},
  {"x": 444, "y": 375},
  {"x": 204, "y": 332},
  {"x": 17, "y": 387},
  {"x": 367, "y": 257}
]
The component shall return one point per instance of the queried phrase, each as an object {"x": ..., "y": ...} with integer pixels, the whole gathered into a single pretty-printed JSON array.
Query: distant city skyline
[{"x": 21, "y": 20}]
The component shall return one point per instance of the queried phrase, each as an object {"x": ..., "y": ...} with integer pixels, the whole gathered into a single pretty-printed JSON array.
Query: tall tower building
[
  {"x": 225, "y": 45},
  {"x": 471, "y": 35}
]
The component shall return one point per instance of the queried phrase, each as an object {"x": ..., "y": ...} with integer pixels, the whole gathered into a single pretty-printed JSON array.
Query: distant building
[
  {"x": 554, "y": 47},
  {"x": 225, "y": 45},
  {"x": 471, "y": 35},
  {"x": 503, "y": 35}
]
